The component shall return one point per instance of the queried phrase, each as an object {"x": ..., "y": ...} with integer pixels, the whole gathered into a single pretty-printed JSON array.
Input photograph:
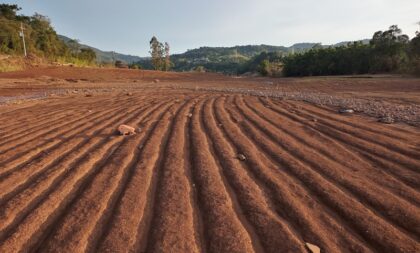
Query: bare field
[{"x": 218, "y": 164}]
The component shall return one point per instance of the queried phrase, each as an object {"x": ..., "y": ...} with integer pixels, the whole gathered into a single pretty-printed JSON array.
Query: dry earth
[{"x": 218, "y": 164}]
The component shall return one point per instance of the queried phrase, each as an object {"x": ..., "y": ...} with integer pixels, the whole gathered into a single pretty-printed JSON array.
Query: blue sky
[{"x": 126, "y": 26}]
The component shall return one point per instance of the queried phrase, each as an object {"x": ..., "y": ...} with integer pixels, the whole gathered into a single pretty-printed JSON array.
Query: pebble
[
  {"x": 241, "y": 157},
  {"x": 344, "y": 110},
  {"x": 312, "y": 248}
]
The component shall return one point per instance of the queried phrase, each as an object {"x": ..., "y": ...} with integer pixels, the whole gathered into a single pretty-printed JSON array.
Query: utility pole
[{"x": 22, "y": 34}]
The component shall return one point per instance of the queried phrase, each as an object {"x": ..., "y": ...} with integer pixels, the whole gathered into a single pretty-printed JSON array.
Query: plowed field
[{"x": 206, "y": 172}]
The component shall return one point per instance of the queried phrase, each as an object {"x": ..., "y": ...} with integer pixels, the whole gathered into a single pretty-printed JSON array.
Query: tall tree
[
  {"x": 414, "y": 50},
  {"x": 167, "y": 57},
  {"x": 157, "y": 52}
]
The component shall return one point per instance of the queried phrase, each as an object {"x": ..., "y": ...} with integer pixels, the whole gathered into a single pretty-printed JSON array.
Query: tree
[
  {"x": 390, "y": 50},
  {"x": 87, "y": 54},
  {"x": 415, "y": 54},
  {"x": 9, "y": 10},
  {"x": 157, "y": 52},
  {"x": 167, "y": 57}
]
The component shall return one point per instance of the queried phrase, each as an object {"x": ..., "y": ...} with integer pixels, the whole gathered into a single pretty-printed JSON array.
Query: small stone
[
  {"x": 126, "y": 130},
  {"x": 345, "y": 110},
  {"x": 71, "y": 80},
  {"x": 314, "y": 120},
  {"x": 387, "y": 120},
  {"x": 241, "y": 157},
  {"x": 156, "y": 81},
  {"x": 312, "y": 248},
  {"x": 189, "y": 115},
  {"x": 129, "y": 94}
]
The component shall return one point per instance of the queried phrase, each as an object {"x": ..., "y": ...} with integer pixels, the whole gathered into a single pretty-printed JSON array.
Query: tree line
[{"x": 389, "y": 51}]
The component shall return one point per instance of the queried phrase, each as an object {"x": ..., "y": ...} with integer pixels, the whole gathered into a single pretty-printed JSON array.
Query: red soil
[{"x": 70, "y": 183}]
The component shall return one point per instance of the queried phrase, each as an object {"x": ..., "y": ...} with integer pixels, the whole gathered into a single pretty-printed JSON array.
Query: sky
[{"x": 126, "y": 26}]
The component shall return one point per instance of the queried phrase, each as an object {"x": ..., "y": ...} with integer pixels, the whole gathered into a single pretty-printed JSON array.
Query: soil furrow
[
  {"x": 46, "y": 154},
  {"x": 402, "y": 135},
  {"x": 82, "y": 113},
  {"x": 406, "y": 175},
  {"x": 224, "y": 229},
  {"x": 81, "y": 222},
  {"x": 33, "y": 228},
  {"x": 401, "y": 213},
  {"x": 305, "y": 215},
  {"x": 173, "y": 229},
  {"x": 121, "y": 232},
  {"x": 52, "y": 127},
  {"x": 53, "y": 140},
  {"x": 336, "y": 152},
  {"x": 380, "y": 139},
  {"x": 338, "y": 200},
  {"x": 250, "y": 192},
  {"x": 43, "y": 183}
]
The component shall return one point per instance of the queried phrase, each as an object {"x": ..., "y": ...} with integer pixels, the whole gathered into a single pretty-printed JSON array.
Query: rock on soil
[
  {"x": 126, "y": 130},
  {"x": 312, "y": 248},
  {"x": 241, "y": 157},
  {"x": 387, "y": 120},
  {"x": 346, "y": 111}
]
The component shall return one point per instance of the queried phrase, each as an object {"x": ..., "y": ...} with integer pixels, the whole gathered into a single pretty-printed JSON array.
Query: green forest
[
  {"x": 389, "y": 51},
  {"x": 40, "y": 37}
]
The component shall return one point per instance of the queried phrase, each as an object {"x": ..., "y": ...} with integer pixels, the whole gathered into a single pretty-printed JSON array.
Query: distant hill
[
  {"x": 215, "y": 59},
  {"x": 104, "y": 56},
  {"x": 229, "y": 59}
]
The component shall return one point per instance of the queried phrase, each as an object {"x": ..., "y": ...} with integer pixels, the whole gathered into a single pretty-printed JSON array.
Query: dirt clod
[
  {"x": 71, "y": 80},
  {"x": 126, "y": 130}
]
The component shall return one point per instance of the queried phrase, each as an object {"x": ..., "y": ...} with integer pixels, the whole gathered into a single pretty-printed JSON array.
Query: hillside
[
  {"x": 229, "y": 59},
  {"x": 105, "y": 56}
]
